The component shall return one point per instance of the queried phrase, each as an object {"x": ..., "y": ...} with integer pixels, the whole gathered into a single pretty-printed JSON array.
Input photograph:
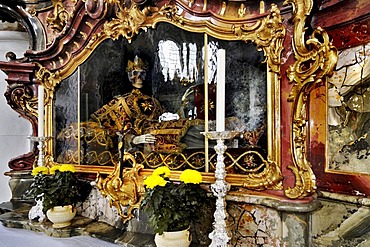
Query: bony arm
[{"x": 147, "y": 138}]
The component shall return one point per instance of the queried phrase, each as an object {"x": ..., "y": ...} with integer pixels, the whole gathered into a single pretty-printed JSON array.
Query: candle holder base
[
  {"x": 41, "y": 146},
  {"x": 223, "y": 135},
  {"x": 219, "y": 235}
]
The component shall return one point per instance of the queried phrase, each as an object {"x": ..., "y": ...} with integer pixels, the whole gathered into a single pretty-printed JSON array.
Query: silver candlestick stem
[
  {"x": 220, "y": 188},
  {"x": 41, "y": 146}
]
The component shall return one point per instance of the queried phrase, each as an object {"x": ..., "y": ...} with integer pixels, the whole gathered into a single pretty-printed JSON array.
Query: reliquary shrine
[{"x": 115, "y": 74}]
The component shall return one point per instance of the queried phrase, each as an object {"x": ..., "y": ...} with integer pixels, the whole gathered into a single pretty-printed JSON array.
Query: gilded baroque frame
[{"x": 268, "y": 34}]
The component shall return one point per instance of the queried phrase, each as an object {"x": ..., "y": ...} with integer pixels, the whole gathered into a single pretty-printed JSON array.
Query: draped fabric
[{"x": 13, "y": 237}]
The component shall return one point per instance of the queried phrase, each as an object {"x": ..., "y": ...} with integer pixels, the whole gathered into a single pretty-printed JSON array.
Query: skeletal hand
[{"x": 147, "y": 138}]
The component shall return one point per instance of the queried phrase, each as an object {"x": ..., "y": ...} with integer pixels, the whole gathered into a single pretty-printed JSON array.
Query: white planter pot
[
  {"x": 61, "y": 216},
  {"x": 173, "y": 239}
]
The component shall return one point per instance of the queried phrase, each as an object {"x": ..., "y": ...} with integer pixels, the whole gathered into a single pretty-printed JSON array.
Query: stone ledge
[{"x": 16, "y": 216}]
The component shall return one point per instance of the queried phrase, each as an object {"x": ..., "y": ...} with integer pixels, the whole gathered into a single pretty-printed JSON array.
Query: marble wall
[
  {"x": 253, "y": 225},
  {"x": 252, "y": 221}
]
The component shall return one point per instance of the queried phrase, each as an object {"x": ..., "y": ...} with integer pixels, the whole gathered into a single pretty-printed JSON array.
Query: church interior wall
[{"x": 14, "y": 130}]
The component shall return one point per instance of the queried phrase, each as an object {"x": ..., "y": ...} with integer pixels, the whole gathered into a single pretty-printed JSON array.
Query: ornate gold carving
[
  {"x": 255, "y": 171},
  {"x": 315, "y": 60},
  {"x": 83, "y": 35},
  {"x": 268, "y": 34},
  {"x": 58, "y": 19},
  {"x": 76, "y": 44},
  {"x": 48, "y": 79},
  {"x": 61, "y": 60},
  {"x": 223, "y": 8},
  {"x": 191, "y": 2},
  {"x": 22, "y": 97},
  {"x": 204, "y": 5},
  {"x": 123, "y": 188},
  {"x": 131, "y": 20},
  {"x": 90, "y": 134},
  {"x": 242, "y": 10},
  {"x": 262, "y": 7},
  {"x": 89, "y": 24}
]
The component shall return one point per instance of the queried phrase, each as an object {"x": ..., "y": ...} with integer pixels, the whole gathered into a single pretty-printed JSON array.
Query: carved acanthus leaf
[
  {"x": 124, "y": 189},
  {"x": 20, "y": 97},
  {"x": 316, "y": 58},
  {"x": 48, "y": 78},
  {"x": 131, "y": 20}
]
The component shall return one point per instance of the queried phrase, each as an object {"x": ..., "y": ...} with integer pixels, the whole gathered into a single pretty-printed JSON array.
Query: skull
[{"x": 137, "y": 77}]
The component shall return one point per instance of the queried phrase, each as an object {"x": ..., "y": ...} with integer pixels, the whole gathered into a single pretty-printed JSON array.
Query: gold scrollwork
[
  {"x": 24, "y": 100},
  {"x": 131, "y": 20},
  {"x": 258, "y": 173},
  {"x": 48, "y": 79},
  {"x": 59, "y": 18},
  {"x": 268, "y": 34},
  {"x": 123, "y": 188},
  {"x": 315, "y": 60}
]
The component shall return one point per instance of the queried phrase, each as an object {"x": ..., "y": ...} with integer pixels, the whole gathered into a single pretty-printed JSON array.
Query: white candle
[
  {"x": 40, "y": 107},
  {"x": 220, "y": 91}
]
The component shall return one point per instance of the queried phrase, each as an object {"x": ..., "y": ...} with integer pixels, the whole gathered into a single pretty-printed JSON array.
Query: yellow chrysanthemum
[
  {"x": 40, "y": 169},
  {"x": 162, "y": 170},
  {"x": 67, "y": 168},
  {"x": 54, "y": 169},
  {"x": 191, "y": 176},
  {"x": 154, "y": 180}
]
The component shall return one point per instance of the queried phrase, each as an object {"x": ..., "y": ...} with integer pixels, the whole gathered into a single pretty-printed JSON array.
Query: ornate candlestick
[
  {"x": 41, "y": 146},
  {"x": 219, "y": 234},
  {"x": 36, "y": 211}
]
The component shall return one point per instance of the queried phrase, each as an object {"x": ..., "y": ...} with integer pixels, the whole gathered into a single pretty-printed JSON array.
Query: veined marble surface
[
  {"x": 341, "y": 224},
  {"x": 81, "y": 226}
]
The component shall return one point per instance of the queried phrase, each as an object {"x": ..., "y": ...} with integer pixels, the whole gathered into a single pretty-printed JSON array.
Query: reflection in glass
[
  {"x": 174, "y": 65},
  {"x": 66, "y": 114}
]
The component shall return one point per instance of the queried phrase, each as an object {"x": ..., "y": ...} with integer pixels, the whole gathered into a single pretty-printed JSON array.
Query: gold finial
[
  {"x": 262, "y": 7},
  {"x": 241, "y": 11}
]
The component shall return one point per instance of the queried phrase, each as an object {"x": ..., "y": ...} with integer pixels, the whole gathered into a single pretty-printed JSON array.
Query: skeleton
[{"x": 136, "y": 71}]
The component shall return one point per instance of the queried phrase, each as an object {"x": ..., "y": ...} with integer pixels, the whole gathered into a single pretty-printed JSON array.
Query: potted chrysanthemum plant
[
  {"x": 59, "y": 190},
  {"x": 172, "y": 206}
]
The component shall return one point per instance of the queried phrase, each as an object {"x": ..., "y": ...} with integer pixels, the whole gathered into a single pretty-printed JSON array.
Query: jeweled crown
[{"x": 137, "y": 64}]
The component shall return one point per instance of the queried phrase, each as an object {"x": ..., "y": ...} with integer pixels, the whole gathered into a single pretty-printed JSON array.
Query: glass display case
[{"x": 174, "y": 78}]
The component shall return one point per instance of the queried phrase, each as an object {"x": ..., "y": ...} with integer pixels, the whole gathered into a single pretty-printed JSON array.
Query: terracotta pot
[
  {"x": 61, "y": 216},
  {"x": 172, "y": 239}
]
